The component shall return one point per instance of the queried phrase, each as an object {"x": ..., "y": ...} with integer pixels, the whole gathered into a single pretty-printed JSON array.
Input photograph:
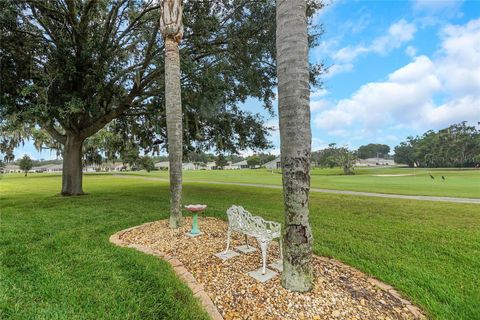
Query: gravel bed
[{"x": 340, "y": 292}]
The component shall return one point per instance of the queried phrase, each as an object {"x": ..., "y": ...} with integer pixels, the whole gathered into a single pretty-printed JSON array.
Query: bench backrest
[{"x": 241, "y": 220}]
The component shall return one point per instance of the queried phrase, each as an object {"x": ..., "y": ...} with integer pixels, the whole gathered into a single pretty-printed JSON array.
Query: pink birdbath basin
[{"x": 195, "y": 209}]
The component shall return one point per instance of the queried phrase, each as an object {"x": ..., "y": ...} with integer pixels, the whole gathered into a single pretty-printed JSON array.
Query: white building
[
  {"x": 274, "y": 164},
  {"x": 115, "y": 166},
  {"x": 188, "y": 166},
  {"x": 48, "y": 168},
  {"x": 240, "y": 165},
  {"x": 12, "y": 168},
  {"x": 164, "y": 165},
  {"x": 92, "y": 169},
  {"x": 372, "y": 162}
]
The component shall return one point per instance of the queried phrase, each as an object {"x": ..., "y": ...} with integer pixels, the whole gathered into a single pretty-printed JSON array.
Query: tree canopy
[
  {"x": 373, "y": 150},
  {"x": 25, "y": 164},
  {"x": 146, "y": 163},
  {"x": 334, "y": 156},
  {"x": 254, "y": 161},
  {"x": 455, "y": 146},
  {"x": 71, "y": 67},
  {"x": 221, "y": 161}
]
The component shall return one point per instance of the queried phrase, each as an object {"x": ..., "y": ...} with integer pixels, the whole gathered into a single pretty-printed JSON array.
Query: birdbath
[{"x": 195, "y": 209}]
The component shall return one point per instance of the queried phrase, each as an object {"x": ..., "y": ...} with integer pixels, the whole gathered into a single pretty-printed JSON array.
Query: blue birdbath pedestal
[{"x": 195, "y": 209}]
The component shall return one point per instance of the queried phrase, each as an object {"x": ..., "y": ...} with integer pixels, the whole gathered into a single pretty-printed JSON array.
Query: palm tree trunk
[
  {"x": 171, "y": 27},
  {"x": 295, "y": 137},
  {"x": 174, "y": 129}
]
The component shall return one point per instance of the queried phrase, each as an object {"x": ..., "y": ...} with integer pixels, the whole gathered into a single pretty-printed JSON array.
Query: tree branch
[{"x": 57, "y": 136}]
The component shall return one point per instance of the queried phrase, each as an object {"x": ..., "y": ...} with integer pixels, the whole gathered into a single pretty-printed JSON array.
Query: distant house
[
  {"x": 213, "y": 166},
  {"x": 188, "y": 166},
  {"x": 164, "y": 165},
  {"x": 240, "y": 165},
  {"x": 56, "y": 168},
  {"x": 372, "y": 162},
  {"x": 48, "y": 168},
  {"x": 92, "y": 169},
  {"x": 115, "y": 166},
  {"x": 12, "y": 168},
  {"x": 274, "y": 164}
]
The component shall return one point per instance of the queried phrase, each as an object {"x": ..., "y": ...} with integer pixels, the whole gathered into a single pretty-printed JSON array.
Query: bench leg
[
  {"x": 228, "y": 240},
  {"x": 264, "y": 248}
]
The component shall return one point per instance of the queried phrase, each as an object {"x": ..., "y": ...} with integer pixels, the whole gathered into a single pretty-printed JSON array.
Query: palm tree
[
  {"x": 295, "y": 141},
  {"x": 171, "y": 27}
]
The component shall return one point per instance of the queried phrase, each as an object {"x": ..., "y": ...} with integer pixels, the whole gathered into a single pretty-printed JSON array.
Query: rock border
[
  {"x": 416, "y": 312},
  {"x": 199, "y": 292}
]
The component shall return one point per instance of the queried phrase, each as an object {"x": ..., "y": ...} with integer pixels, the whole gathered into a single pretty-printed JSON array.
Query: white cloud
[
  {"x": 460, "y": 66},
  {"x": 421, "y": 67},
  {"x": 358, "y": 25},
  {"x": 332, "y": 120},
  {"x": 319, "y": 93},
  {"x": 408, "y": 95},
  {"x": 318, "y": 144},
  {"x": 398, "y": 33},
  {"x": 349, "y": 53},
  {"x": 337, "y": 69},
  {"x": 318, "y": 105},
  {"x": 436, "y": 12},
  {"x": 315, "y": 104},
  {"x": 461, "y": 109},
  {"x": 436, "y": 5},
  {"x": 376, "y": 103},
  {"x": 411, "y": 51}
]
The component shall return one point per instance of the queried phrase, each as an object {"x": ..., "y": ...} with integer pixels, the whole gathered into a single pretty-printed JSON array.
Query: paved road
[{"x": 353, "y": 193}]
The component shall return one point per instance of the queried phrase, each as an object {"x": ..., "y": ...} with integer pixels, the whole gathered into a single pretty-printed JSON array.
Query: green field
[
  {"x": 57, "y": 262},
  {"x": 458, "y": 183}
]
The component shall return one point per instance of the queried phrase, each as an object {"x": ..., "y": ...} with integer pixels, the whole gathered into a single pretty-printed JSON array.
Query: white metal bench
[{"x": 241, "y": 220}]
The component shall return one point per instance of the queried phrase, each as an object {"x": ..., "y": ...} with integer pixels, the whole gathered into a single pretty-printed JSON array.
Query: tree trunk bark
[
  {"x": 72, "y": 167},
  {"x": 295, "y": 141},
  {"x": 173, "y": 104}
]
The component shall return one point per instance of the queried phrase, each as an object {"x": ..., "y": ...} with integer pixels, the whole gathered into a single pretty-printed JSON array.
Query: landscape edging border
[{"x": 207, "y": 303}]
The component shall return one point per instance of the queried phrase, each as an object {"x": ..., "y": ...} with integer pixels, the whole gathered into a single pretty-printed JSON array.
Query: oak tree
[{"x": 68, "y": 68}]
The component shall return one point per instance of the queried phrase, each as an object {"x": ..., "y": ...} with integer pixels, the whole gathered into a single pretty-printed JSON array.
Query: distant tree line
[
  {"x": 101, "y": 151},
  {"x": 455, "y": 146},
  {"x": 335, "y": 156}
]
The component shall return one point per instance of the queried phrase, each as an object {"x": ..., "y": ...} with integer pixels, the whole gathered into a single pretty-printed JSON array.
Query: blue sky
[{"x": 397, "y": 68}]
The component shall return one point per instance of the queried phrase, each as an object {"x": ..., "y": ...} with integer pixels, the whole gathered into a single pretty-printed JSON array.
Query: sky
[{"x": 396, "y": 69}]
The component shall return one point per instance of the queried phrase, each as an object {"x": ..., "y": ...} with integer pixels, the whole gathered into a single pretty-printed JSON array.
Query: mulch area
[{"x": 340, "y": 292}]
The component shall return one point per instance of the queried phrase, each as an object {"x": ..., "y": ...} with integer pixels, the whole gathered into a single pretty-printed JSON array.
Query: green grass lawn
[
  {"x": 458, "y": 183},
  {"x": 57, "y": 262}
]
